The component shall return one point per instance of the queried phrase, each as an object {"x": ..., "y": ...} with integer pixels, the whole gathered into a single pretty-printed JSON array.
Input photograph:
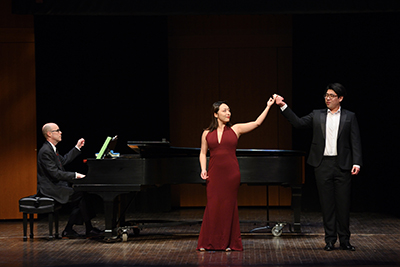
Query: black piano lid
[
  {"x": 149, "y": 143},
  {"x": 163, "y": 148}
]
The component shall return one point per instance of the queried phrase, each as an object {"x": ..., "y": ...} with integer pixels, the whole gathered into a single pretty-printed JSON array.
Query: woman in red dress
[{"x": 220, "y": 229}]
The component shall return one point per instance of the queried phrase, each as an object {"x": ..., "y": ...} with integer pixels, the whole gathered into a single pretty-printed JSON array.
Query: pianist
[{"x": 55, "y": 182}]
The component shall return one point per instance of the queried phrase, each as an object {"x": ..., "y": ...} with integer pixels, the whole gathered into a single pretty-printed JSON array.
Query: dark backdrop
[
  {"x": 100, "y": 76},
  {"x": 121, "y": 86}
]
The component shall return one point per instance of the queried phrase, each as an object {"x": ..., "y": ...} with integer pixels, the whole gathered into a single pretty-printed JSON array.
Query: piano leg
[
  {"x": 108, "y": 217},
  {"x": 296, "y": 206},
  {"x": 110, "y": 233}
]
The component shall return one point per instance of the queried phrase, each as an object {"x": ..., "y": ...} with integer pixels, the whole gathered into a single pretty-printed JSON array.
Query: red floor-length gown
[{"x": 220, "y": 228}]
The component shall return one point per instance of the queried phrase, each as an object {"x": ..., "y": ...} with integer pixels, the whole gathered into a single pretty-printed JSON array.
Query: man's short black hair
[{"x": 338, "y": 88}]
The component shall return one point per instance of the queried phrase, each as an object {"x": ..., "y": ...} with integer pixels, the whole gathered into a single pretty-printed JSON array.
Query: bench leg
[
  {"x": 56, "y": 235},
  {"x": 31, "y": 216},
  {"x": 25, "y": 225},
  {"x": 51, "y": 226}
]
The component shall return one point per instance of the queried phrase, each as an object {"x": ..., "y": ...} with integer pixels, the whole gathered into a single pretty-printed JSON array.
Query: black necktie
[{"x": 59, "y": 161}]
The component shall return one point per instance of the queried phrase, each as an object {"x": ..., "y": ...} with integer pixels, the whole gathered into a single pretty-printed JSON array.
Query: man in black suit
[
  {"x": 55, "y": 182},
  {"x": 335, "y": 154}
]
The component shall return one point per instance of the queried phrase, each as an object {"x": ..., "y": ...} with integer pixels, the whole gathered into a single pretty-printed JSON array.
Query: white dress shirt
[{"x": 332, "y": 128}]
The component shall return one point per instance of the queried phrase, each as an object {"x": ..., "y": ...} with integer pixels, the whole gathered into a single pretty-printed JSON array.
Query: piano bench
[{"x": 39, "y": 205}]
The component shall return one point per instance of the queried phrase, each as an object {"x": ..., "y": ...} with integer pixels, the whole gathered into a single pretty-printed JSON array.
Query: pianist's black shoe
[
  {"x": 329, "y": 246},
  {"x": 347, "y": 246},
  {"x": 94, "y": 232},
  {"x": 70, "y": 234}
]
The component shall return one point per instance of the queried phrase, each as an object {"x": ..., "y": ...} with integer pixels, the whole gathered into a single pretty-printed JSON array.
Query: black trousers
[
  {"x": 81, "y": 210},
  {"x": 334, "y": 188}
]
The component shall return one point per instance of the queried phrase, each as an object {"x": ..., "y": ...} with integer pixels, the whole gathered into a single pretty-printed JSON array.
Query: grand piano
[{"x": 158, "y": 163}]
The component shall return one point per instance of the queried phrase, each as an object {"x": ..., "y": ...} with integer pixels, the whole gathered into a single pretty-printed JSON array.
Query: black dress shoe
[
  {"x": 70, "y": 234},
  {"x": 94, "y": 232},
  {"x": 347, "y": 246},
  {"x": 329, "y": 246}
]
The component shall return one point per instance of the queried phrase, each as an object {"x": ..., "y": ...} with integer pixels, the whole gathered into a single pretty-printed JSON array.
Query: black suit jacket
[
  {"x": 348, "y": 141},
  {"x": 52, "y": 179}
]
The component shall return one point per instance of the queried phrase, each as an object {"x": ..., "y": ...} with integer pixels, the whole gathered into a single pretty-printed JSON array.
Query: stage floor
[{"x": 375, "y": 236}]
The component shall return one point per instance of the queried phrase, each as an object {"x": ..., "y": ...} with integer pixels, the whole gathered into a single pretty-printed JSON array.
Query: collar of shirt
[
  {"x": 337, "y": 112},
  {"x": 54, "y": 147}
]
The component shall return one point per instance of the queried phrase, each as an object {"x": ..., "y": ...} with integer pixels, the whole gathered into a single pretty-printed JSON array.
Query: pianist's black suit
[
  {"x": 55, "y": 182},
  {"x": 335, "y": 205},
  {"x": 52, "y": 179}
]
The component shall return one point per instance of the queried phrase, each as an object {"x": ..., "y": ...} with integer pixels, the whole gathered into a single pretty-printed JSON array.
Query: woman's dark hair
[
  {"x": 214, "y": 121},
  {"x": 338, "y": 88}
]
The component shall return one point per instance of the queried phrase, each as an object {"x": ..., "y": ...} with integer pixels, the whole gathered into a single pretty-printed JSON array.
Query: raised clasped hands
[{"x": 279, "y": 100}]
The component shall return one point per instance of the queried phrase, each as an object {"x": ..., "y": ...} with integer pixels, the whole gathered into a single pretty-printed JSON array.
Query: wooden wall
[
  {"x": 243, "y": 59},
  {"x": 17, "y": 109}
]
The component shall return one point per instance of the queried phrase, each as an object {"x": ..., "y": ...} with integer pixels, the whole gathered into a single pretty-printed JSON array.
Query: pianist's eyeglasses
[{"x": 58, "y": 130}]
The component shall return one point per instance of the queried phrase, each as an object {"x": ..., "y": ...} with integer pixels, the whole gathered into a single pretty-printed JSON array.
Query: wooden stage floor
[{"x": 376, "y": 237}]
